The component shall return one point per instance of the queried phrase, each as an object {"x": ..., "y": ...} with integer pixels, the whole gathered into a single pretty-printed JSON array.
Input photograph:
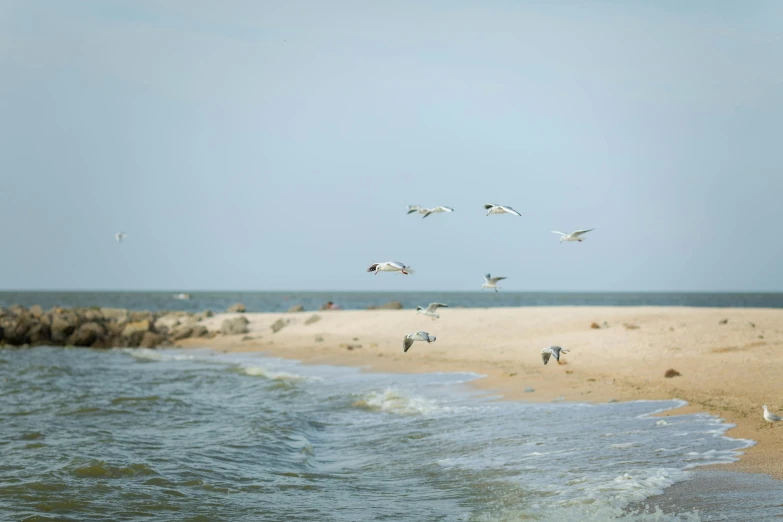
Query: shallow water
[
  {"x": 137, "y": 434},
  {"x": 282, "y": 301}
]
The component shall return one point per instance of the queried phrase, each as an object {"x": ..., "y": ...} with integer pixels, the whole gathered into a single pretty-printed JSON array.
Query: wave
[
  {"x": 392, "y": 400},
  {"x": 266, "y": 373}
]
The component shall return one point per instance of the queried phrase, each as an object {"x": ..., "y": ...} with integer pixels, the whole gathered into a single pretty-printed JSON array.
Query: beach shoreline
[{"x": 728, "y": 369}]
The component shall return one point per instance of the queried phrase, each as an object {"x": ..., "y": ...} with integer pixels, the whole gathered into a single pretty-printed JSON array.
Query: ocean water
[
  {"x": 136, "y": 434},
  {"x": 282, "y": 301}
]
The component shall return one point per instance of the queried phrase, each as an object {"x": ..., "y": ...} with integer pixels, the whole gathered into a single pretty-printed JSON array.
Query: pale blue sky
[{"x": 257, "y": 145}]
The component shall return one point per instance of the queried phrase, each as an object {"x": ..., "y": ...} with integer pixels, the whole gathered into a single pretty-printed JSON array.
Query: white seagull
[
  {"x": 390, "y": 266},
  {"x": 491, "y": 282},
  {"x": 119, "y": 236},
  {"x": 417, "y": 208},
  {"x": 769, "y": 416},
  {"x": 550, "y": 351},
  {"x": 573, "y": 236},
  {"x": 430, "y": 310},
  {"x": 500, "y": 209},
  {"x": 437, "y": 210},
  {"x": 418, "y": 336}
]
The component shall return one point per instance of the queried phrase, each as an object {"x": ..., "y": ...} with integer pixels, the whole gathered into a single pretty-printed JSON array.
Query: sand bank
[{"x": 727, "y": 369}]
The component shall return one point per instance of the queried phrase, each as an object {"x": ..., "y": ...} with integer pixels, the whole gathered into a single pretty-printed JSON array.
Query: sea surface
[
  {"x": 282, "y": 301},
  {"x": 137, "y": 434}
]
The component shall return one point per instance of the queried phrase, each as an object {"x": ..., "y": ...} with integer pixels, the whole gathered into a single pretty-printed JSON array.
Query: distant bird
[
  {"x": 430, "y": 310},
  {"x": 418, "y": 336},
  {"x": 437, "y": 210},
  {"x": 119, "y": 236},
  {"x": 573, "y": 236},
  {"x": 417, "y": 208},
  {"x": 769, "y": 416},
  {"x": 492, "y": 282},
  {"x": 552, "y": 351},
  {"x": 390, "y": 266},
  {"x": 500, "y": 209}
]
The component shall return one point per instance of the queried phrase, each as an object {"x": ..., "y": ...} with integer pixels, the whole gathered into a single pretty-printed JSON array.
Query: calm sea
[
  {"x": 135, "y": 434},
  {"x": 282, "y": 301}
]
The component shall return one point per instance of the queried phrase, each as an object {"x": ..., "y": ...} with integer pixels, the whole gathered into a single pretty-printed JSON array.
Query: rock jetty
[{"x": 98, "y": 327}]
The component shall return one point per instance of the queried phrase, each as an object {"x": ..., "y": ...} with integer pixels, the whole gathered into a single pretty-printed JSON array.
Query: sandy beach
[{"x": 730, "y": 361}]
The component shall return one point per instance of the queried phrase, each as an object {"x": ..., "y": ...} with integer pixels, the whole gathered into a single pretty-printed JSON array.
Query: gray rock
[
  {"x": 319, "y": 338},
  {"x": 277, "y": 325},
  {"x": 36, "y": 311},
  {"x": 238, "y": 308},
  {"x": 296, "y": 308},
  {"x": 180, "y": 332},
  {"x": 391, "y": 305},
  {"x": 87, "y": 334},
  {"x": 151, "y": 340},
  {"x": 92, "y": 314},
  {"x": 312, "y": 319},
  {"x": 132, "y": 333},
  {"x": 40, "y": 334},
  {"x": 118, "y": 315},
  {"x": 529, "y": 390},
  {"x": 207, "y": 313},
  {"x": 234, "y": 326},
  {"x": 62, "y": 327},
  {"x": 139, "y": 316},
  {"x": 16, "y": 329},
  {"x": 199, "y": 330},
  {"x": 723, "y": 321}
]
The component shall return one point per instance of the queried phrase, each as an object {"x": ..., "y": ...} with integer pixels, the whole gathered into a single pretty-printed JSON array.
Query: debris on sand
[{"x": 671, "y": 372}]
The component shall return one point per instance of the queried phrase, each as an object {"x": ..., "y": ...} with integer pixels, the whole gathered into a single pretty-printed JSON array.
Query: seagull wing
[
  {"x": 422, "y": 336},
  {"x": 545, "y": 355},
  {"x": 496, "y": 279},
  {"x": 397, "y": 264},
  {"x": 407, "y": 343},
  {"x": 580, "y": 232},
  {"x": 411, "y": 211},
  {"x": 428, "y": 213},
  {"x": 434, "y": 306},
  {"x": 561, "y": 233},
  {"x": 373, "y": 267},
  {"x": 487, "y": 278},
  {"x": 556, "y": 352},
  {"x": 511, "y": 211}
]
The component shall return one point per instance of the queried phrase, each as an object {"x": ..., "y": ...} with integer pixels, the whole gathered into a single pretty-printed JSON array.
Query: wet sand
[{"x": 729, "y": 369}]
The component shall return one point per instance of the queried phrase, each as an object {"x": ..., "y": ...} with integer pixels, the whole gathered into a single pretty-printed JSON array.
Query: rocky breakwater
[{"x": 97, "y": 327}]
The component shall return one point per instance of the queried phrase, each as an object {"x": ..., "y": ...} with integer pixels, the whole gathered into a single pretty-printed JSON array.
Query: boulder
[
  {"x": 139, "y": 316},
  {"x": 199, "y": 330},
  {"x": 151, "y": 340},
  {"x": 277, "y": 325},
  {"x": 40, "y": 334},
  {"x": 312, "y": 319},
  {"x": 17, "y": 310},
  {"x": 132, "y": 333},
  {"x": 180, "y": 332},
  {"x": 391, "y": 305},
  {"x": 207, "y": 313},
  {"x": 62, "y": 327},
  {"x": 118, "y": 315},
  {"x": 234, "y": 326},
  {"x": 87, "y": 334},
  {"x": 193, "y": 319},
  {"x": 36, "y": 311},
  {"x": 296, "y": 308},
  {"x": 238, "y": 308},
  {"x": 16, "y": 329},
  {"x": 93, "y": 314}
]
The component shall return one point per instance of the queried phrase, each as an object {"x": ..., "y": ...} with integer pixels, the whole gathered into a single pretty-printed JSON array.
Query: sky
[{"x": 254, "y": 145}]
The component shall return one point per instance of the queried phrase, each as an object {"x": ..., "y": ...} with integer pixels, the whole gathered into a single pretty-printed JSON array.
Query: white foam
[
  {"x": 147, "y": 354},
  {"x": 392, "y": 400},
  {"x": 266, "y": 373}
]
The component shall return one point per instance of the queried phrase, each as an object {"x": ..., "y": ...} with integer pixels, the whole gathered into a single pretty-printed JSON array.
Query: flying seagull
[
  {"x": 437, "y": 210},
  {"x": 417, "y": 208},
  {"x": 430, "y": 310},
  {"x": 418, "y": 336},
  {"x": 573, "y": 236},
  {"x": 119, "y": 236},
  {"x": 769, "y": 416},
  {"x": 550, "y": 351},
  {"x": 390, "y": 266},
  {"x": 491, "y": 282},
  {"x": 500, "y": 209}
]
